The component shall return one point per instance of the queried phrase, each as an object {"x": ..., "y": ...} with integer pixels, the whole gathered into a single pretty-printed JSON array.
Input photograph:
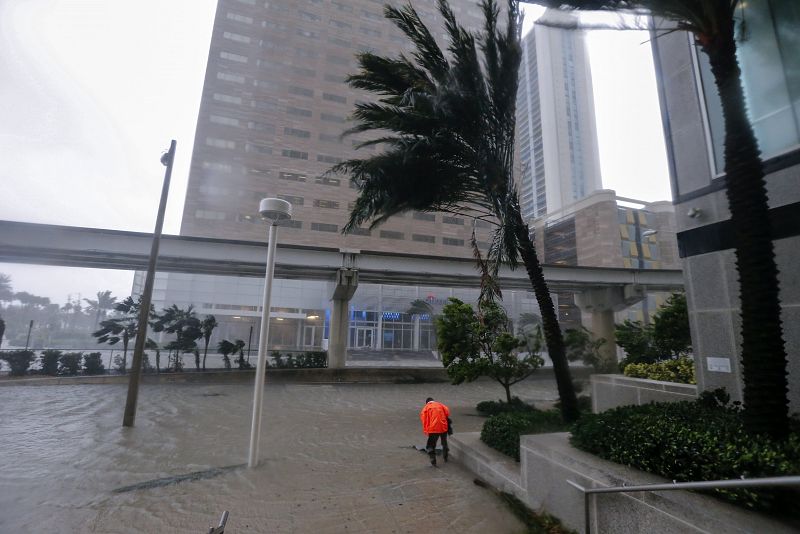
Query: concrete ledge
[
  {"x": 372, "y": 375},
  {"x": 548, "y": 461},
  {"x": 611, "y": 391},
  {"x": 491, "y": 466}
]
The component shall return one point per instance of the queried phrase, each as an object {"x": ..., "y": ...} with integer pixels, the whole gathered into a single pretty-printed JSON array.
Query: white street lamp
[{"x": 274, "y": 210}]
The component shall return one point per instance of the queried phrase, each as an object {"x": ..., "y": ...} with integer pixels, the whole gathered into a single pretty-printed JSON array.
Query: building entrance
[{"x": 364, "y": 337}]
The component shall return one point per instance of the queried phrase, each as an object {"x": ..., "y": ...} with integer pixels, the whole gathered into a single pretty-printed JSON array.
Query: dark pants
[{"x": 431, "y": 446}]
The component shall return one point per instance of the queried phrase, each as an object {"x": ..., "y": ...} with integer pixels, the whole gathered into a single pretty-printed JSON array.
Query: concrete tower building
[
  {"x": 557, "y": 137},
  {"x": 273, "y": 109}
]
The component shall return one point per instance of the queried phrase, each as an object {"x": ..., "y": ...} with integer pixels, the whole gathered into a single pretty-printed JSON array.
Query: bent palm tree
[
  {"x": 713, "y": 24},
  {"x": 207, "y": 326},
  {"x": 448, "y": 124},
  {"x": 100, "y": 306},
  {"x": 124, "y": 327}
]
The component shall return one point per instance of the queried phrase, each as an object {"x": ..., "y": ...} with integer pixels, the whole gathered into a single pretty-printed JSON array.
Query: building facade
[
  {"x": 556, "y": 132},
  {"x": 695, "y": 134},
  {"x": 273, "y": 110}
]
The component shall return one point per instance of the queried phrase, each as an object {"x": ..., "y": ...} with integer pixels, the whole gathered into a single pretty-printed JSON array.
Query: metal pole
[
  {"x": 249, "y": 341},
  {"x": 144, "y": 302},
  {"x": 261, "y": 366},
  {"x": 28, "y": 339}
]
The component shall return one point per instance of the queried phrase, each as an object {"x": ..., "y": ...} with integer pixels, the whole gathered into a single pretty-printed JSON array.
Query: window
[
  {"x": 770, "y": 75},
  {"x": 230, "y": 77},
  {"x": 292, "y": 223},
  {"x": 335, "y": 78},
  {"x": 330, "y": 138},
  {"x": 337, "y": 60},
  {"x": 300, "y": 71},
  {"x": 482, "y": 224},
  {"x": 305, "y": 53},
  {"x": 371, "y": 15},
  {"x": 327, "y": 180},
  {"x": 212, "y": 190},
  {"x": 261, "y": 126},
  {"x": 360, "y": 231},
  {"x": 259, "y": 172},
  {"x": 209, "y": 214},
  {"x": 328, "y": 159},
  {"x": 292, "y": 176},
  {"x": 221, "y": 167},
  {"x": 293, "y": 200},
  {"x": 421, "y": 238},
  {"x": 334, "y": 98},
  {"x": 389, "y": 234},
  {"x": 303, "y": 134},
  {"x": 422, "y": 216},
  {"x": 339, "y": 24},
  {"x": 453, "y": 242},
  {"x": 322, "y": 227},
  {"x": 225, "y": 121},
  {"x": 308, "y": 34},
  {"x": 264, "y": 104},
  {"x": 236, "y": 37},
  {"x": 341, "y": 6},
  {"x": 239, "y": 18},
  {"x": 220, "y": 143},
  {"x": 329, "y": 117},
  {"x": 300, "y": 112},
  {"x": 453, "y": 220},
  {"x": 247, "y": 218},
  {"x": 305, "y": 15},
  {"x": 302, "y": 91},
  {"x": 339, "y": 42},
  {"x": 327, "y": 204},
  {"x": 269, "y": 86},
  {"x": 294, "y": 154},
  {"x": 258, "y": 149},
  {"x": 228, "y": 99},
  {"x": 248, "y": 2}
]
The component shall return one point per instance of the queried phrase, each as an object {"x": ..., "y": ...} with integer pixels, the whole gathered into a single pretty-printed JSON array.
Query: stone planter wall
[{"x": 610, "y": 391}]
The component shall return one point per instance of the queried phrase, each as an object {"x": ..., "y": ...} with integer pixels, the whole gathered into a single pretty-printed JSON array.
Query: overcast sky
[{"x": 92, "y": 91}]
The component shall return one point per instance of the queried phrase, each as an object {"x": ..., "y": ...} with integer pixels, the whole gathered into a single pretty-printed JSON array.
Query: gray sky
[{"x": 92, "y": 92}]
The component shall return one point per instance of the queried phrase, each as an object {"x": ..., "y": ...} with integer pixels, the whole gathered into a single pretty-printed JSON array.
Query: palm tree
[
  {"x": 123, "y": 327},
  {"x": 207, "y": 326},
  {"x": 186, "y": 327},
  {"x": 239, "y": 345},
  {"x": 6, "y": 293},
  {"x": 448, "y": 124},
  {"x": 713, "y": 24},
  {"x": 100, "y": 306}
]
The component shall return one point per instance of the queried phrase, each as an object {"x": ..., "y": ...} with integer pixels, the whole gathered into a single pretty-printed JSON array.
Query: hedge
[
  {"x": 502, "y": 431},
  {"x": 679, "y": 370},
  {"x": 691, "y": 441}
]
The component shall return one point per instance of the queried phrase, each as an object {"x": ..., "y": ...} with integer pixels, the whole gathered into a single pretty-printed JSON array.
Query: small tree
[
  {"x": 18, "y": 361},
  {"x": 69, "y": 363},
  {"x": 481, "y": 344},
  {"x": 225, "y": 348},
  {"x": 186, "y": 326},
  {"x": 49, "y": 361},
  {"x": 207, "y": 326},
  {"x": 239, "y": 345},
  {"x": 581, "y": 345},
  {"x": 2, "y": 330},
  {"x": 667, "y": 337},
  {"x": 93, "y": 364}
]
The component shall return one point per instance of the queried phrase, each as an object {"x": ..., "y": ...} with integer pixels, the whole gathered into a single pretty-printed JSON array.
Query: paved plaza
[{"x": 334, "y": 458}]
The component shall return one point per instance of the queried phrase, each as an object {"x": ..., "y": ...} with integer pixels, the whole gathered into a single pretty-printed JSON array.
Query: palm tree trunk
[
  {"x": 763, "y": 353},
  {"x": 205, "y": 353},
  {"x": 552, "y": 330}
]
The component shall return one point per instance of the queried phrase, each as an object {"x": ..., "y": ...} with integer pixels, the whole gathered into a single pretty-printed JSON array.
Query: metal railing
[{"x": 706, "y": 485}]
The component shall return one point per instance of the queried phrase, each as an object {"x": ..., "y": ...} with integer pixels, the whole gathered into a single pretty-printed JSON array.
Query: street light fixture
[{"x": 273, "y": 210}]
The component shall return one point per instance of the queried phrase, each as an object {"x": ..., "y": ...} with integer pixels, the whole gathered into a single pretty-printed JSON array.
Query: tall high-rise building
[
  {"x": 273, "y": 109},
  {"x": 556, "y": 133}
]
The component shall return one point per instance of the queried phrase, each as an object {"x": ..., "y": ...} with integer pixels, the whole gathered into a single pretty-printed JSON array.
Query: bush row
[
  {"x": 304, "y": 360},
  {"x": 679, "y": 370},
  {"x": 699, "y": 440},
  {"x": 502, "y": 431},
  {"x": 54, "y": 362}
]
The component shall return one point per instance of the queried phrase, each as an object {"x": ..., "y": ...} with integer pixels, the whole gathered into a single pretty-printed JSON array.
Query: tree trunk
[
  {"x": 763, "y": 353},
  {"x": 508, "y": 392},
  {"x": 552, "y": 330}
]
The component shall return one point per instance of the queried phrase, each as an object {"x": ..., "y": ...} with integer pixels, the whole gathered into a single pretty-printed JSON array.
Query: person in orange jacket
[{"x": 435, "y": 418}]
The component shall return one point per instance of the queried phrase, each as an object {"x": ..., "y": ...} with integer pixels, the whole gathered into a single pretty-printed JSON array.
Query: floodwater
[{"x": 334, "y": 458}]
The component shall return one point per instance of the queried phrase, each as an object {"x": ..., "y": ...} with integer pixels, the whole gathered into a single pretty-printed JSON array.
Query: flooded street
[{"x": 333, "y": 459}]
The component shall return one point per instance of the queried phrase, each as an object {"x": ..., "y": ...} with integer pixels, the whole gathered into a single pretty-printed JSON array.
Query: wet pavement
[{"x": 334, "y": 458}]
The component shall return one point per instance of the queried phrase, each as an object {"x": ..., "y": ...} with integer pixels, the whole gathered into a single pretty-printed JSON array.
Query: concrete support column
[
  {"x": 346, "y": 285},
  {"x": 601, "y": 303}
]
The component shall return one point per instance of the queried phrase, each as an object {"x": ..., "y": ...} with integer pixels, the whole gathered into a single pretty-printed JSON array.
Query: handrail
[{"x": 705, "y": 484}]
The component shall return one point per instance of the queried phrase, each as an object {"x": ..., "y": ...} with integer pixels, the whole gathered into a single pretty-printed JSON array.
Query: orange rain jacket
[{"x": 434, "y": 418}]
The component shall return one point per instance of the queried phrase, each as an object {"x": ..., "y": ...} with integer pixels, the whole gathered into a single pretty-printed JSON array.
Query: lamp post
[{"x": 273, "y": 210}]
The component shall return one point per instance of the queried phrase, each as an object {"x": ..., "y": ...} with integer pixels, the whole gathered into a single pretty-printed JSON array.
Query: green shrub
[
  {"x": 497, "y": 407},
  {"x": 700, "y": 440},
  {"x": 69, "y": 363},
  {"x": 680, "y": 370},
  {"x": 305, "y": 360},
  {"x": 18, "y": 360},
  {"x": 93, "y": 364},
  {"x": 502, "y": 431},
  {"x": 49, "y": 361}
]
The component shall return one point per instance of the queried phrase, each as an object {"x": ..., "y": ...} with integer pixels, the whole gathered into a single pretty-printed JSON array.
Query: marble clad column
[{"x": 346, "y": 285}]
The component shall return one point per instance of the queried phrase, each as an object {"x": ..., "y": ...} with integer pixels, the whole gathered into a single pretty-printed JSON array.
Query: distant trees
[
  {"x": 187, "y": 329},
  {"x": 101, "y": 305},
  {"x": 123, "y": 327}
]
